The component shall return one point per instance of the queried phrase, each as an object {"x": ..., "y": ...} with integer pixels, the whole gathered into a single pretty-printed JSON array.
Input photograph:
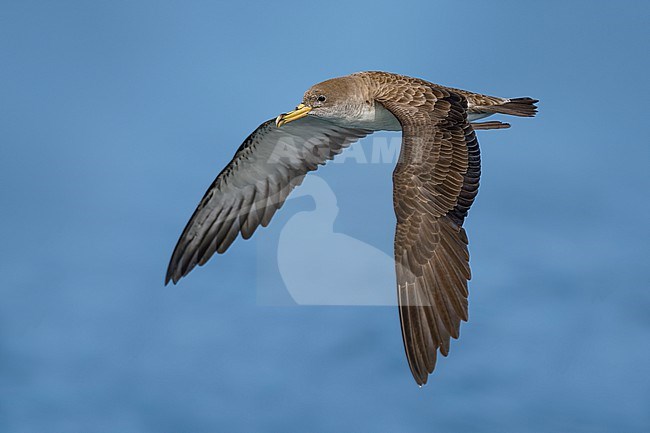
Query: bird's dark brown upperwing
[{"x": 435, "y": 183}]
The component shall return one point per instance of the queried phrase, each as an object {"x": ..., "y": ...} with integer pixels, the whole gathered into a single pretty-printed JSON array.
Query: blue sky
[{"x": 116, "y": 116}]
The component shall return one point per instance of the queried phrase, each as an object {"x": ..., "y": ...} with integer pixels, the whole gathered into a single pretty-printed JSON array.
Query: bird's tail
[{"x": 524, "y": 107}]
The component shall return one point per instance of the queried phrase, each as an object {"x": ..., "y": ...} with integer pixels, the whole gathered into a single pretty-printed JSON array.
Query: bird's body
[{"x": 435, "y": 182}]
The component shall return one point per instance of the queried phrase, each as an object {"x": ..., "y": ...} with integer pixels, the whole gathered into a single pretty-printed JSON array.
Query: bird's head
[{"x": 337, "y": 100}]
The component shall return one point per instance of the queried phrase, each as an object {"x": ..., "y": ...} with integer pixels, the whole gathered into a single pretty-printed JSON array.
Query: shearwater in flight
[{"x": 435, "y": 182}]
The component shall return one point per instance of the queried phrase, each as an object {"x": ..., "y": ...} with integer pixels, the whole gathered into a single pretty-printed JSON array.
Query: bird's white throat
[{"x": 374, "y": 117}]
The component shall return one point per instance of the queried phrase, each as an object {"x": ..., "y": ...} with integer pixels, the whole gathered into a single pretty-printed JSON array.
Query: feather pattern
[
  {"x": 435, "y": 183},
  {"x": 269, "y": 164}
]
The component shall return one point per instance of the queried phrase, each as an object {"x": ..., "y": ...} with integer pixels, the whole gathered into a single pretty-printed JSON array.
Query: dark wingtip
[{"x": 169, "y": 276}]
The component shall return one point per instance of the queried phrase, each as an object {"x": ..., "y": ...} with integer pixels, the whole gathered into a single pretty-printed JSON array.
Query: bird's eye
[{"x": 321, "y": 98}]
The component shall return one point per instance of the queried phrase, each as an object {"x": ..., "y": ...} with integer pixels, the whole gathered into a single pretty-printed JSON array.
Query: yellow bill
[{"x": 301, "y": 111}]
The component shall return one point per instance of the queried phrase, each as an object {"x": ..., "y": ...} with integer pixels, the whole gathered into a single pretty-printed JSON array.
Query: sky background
[{"x": 115, "y": 116}]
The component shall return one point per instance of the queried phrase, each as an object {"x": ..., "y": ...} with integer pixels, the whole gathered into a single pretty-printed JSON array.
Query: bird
[{"x": 435, "y": 182}]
